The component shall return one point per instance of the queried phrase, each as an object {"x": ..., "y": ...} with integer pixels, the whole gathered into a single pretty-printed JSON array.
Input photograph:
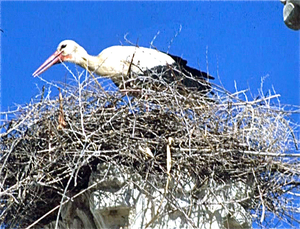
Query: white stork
[{"x": 114, "y": 62}]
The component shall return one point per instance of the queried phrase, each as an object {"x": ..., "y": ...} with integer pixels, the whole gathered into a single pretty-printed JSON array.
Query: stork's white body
[{"x": 116, "y": 60}]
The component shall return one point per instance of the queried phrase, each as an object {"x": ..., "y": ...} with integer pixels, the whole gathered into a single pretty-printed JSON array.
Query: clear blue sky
[{"x": 244, "y": 40}]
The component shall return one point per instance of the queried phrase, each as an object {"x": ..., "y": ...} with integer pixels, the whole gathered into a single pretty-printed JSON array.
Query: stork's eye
[{"x": 63, "y": 46}]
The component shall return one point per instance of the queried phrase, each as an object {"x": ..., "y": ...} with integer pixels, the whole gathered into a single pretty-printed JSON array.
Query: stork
[{"x": 116, "y": 62}]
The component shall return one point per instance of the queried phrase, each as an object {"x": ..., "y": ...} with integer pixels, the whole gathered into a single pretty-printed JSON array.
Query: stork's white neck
[{"x": 92, "y": 63}]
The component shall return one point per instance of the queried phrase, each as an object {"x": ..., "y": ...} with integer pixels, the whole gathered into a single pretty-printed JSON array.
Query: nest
[{"x": 50, "y": 146}]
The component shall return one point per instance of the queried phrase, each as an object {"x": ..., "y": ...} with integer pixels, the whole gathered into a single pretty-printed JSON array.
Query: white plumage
[{"x": 118, "y": 59}]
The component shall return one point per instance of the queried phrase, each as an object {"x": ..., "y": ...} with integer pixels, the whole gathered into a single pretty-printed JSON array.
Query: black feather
[
  {"x": 186, "y": 69},
  {"x": 183, "y": 75}
]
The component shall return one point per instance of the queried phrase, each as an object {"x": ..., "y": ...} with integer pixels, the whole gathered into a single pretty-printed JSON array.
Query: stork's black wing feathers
[
  {"x": 178, "y": 60},
  {"x": 183, "y": 75},
  {"x": 186, "y": 69}
]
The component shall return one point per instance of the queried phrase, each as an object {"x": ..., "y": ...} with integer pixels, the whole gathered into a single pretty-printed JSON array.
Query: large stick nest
[{"x": 51, "y": 145}]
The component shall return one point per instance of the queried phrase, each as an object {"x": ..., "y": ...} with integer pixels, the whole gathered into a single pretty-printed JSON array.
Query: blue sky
[{"x": 237, "y": 41}]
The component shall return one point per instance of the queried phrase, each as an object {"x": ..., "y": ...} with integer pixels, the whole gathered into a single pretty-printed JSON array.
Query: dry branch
[{"x": 50, "y": 147}]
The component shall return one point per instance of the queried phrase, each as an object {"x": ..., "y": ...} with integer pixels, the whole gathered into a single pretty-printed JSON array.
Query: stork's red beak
[{"x": 55, "y": 58}]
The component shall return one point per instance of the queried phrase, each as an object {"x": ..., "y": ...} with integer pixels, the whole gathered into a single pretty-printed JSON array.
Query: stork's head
[{"x": 67, "y": 50}]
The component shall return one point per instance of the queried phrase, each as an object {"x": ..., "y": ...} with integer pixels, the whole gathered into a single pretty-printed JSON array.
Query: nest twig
[{"x": 49, "y": 147}]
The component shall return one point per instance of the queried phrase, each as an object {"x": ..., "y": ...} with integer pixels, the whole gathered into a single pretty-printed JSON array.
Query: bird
[{"x": 118, "y": 62}]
